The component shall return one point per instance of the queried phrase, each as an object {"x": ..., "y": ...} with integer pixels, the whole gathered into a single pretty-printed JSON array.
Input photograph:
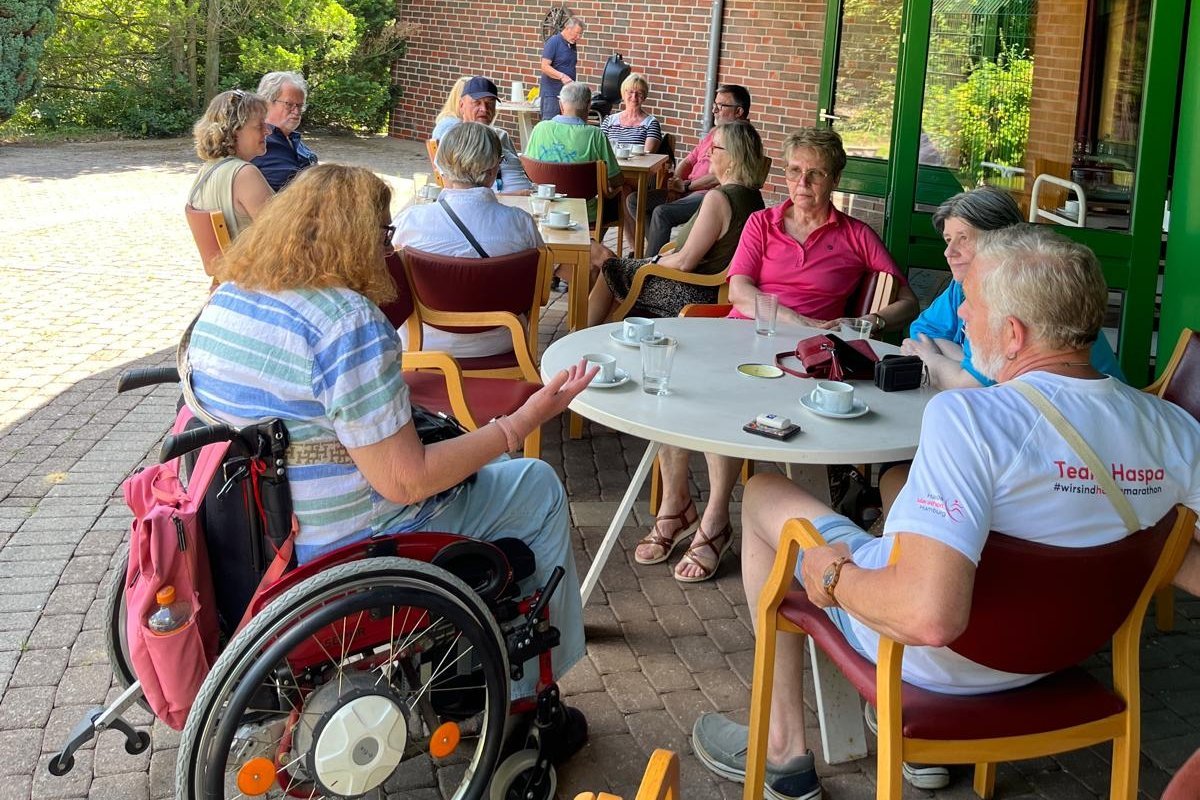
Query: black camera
[{"x": 897, "y": 373}]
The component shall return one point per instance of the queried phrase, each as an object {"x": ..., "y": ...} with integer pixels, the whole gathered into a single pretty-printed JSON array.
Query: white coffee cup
[
  {"x": 1072, "y": 209},
  {"x": 835, "y": 397},
  {"x": 637, "y": 328},
  {"x": 637, "y": 149},
  {"x": 606, "y": 363},
  {"x": 558, "y": 219},
  {"x": 621, "y": 151},
  {"x": 545, "y": 190}
]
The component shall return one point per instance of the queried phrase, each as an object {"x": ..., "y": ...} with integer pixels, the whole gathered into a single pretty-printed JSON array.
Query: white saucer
[
  {"x": 617, "y": 337},
  {"x": 858, "y": 410},
  {"x": 570, "y": 226},
  {"x": 622, "y": 378}
]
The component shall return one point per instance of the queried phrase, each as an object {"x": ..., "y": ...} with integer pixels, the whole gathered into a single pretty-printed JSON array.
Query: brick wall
[
  {"x": 1058, "y": 53},
  {"x": 771, "y": 47}
]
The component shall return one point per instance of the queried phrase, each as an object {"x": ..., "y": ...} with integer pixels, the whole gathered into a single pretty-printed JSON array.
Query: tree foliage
[
  {"x": 148, "y": 67},
  {"x": 24, "y": 26}
]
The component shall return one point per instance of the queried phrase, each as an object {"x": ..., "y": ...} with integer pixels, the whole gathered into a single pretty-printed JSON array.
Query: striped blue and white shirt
[
  {"x": 617, "y": 133},
  {"x": 327, "y": 363}
]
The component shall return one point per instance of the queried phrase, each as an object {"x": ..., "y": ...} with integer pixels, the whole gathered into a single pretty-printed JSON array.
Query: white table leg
[
  {"x": 618, "y": 522},
  {"x": 839, "y": 710}
]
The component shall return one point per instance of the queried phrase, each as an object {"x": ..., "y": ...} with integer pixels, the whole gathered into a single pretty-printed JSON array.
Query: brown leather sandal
[
  {"x": 657, "y": 538},
  {"x": 718, "y": 544}
]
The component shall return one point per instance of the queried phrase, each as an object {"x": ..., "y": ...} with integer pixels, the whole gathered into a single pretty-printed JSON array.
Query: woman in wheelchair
[{"x": 295, "y": 332}]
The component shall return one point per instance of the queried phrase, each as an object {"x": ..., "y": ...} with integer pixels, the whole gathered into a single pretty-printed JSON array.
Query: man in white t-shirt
[{"x": 987, "y": 461}]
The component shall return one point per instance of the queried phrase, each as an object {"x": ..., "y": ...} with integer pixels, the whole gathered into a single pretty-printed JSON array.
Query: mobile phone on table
[{"x": 782, "y": 434}]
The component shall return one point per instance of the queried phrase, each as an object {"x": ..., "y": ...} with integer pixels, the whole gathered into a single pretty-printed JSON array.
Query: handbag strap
[
  {"x": 454, "y": 218},
  {"x": 1082, "y": 449}
]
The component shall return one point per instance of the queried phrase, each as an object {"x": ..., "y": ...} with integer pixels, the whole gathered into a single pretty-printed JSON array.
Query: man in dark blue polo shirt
[
  {"x": 558, "y": 65},
  {"x": 286, "y": 94}
]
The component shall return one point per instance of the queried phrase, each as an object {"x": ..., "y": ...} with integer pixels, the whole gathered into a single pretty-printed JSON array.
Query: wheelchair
[{"x": 354, "y": 666}]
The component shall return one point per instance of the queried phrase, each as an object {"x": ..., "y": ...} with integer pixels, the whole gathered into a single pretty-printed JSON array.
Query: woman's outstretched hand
[{"x": 562, "y": 387}]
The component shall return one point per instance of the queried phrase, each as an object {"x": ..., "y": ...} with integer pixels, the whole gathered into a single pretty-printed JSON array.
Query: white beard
[{"x": 987, "y": 364}]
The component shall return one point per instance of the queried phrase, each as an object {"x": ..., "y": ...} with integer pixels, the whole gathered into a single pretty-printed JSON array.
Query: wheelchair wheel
[
  {"x": 116, "y": 643},
  {"x": 340, "y": 680}
]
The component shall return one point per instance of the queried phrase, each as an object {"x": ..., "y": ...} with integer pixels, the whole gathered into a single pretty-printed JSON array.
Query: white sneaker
[{"x": 921, "y": 776}]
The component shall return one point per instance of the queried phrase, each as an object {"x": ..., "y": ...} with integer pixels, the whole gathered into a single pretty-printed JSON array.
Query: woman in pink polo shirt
[{"x": 812, "y": 257}]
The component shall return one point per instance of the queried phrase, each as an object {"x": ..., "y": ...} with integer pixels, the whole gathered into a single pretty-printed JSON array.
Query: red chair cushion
[
  {"x": 858, "y": 304},
  {"x": 401, "y": 308},
  {"x": 573, "y": 180},
  {"x": 1184, "y": 387},
  {"x": 502, "y": 283},
  {"x": 499, "y": 361},
  {"x": 486, "y": 397},
  {"x": 1067, "y": 698}
]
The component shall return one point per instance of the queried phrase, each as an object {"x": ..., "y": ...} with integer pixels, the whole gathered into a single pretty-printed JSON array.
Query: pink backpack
[{"x": 166, "y": 547}]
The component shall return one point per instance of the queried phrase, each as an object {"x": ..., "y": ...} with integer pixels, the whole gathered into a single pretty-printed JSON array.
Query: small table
[
  {"x": 572, "y": 247},
  {"x": 639, "y": 169},
  {"x": 709, "y": 403},
  {"x": 528, "y": 115}
]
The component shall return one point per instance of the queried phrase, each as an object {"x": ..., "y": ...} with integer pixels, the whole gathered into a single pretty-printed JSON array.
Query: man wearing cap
[
  {"x": 559, "y": 57},
  {"x": 478, "y": 104}
]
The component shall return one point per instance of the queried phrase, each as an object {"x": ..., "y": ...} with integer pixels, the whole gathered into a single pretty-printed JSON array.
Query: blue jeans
[
  {"x": 521, "y": 499},
  {"x": 837, "y": 529}
]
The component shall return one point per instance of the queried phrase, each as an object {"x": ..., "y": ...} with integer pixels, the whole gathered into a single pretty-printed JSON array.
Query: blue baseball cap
[{"x": 479, "y": 87}]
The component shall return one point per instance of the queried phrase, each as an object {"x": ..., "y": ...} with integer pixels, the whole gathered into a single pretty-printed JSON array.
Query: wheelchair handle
[
  {"x": 132, "y": 379},
  {"x": 177, "y": 444}
]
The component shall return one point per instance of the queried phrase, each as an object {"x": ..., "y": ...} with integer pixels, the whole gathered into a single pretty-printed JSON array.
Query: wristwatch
[
  {"x": 687, "y": 186},
  {"x": 878, "y": 321},
  {"x": 831, "y": 576}
]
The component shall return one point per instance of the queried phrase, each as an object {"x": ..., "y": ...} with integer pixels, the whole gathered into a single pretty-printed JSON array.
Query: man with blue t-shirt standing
[{"x": 559, "y": 57}]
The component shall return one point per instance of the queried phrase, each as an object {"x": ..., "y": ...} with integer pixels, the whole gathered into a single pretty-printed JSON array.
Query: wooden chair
[
  {"x": 1035, "y": 609},
  {"x": 431, "y": 147},
  {"x": 210, "y": 232},
  {"x": 469, "y": 295},
  {"x": 646, "y": 271},
  {"x": 436, "y": 381},
  {"x": 877, "y": 290},
  {"x": 1179, "y": 383},
  {"x": 660, "y": 781},
  {"x": 586, "y": 180}
]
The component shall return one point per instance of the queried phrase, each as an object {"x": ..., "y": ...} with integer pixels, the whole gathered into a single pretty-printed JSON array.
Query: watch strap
[{"x": 830, "y": 582}]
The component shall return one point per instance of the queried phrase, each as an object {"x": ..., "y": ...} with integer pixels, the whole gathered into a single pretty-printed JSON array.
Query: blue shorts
[{"x": 837, "y": 529}]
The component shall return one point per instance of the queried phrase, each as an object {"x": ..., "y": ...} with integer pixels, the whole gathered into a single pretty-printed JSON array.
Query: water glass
[
  {"x": 851, "y": 328},
  {"x": 658, "y": 354},
  {"x": 538, "y": 206},
  {"x": 419, "y": 181},
  {"x": 766, "y": 306}
]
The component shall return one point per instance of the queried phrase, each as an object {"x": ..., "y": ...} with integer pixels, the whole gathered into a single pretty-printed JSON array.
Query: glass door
[{"x": 858, "y": 88}]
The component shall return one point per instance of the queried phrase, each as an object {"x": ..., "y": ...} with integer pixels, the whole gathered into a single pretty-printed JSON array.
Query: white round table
[{"x": 710, "y": 401}]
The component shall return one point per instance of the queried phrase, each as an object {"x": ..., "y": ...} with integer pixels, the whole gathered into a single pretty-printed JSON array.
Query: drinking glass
[
  {"x": 766, "y": 306},
  {"x": 538, "y": 206},
  {"x": 658, "y": 354},
  {"x": 852, "y": 328}
]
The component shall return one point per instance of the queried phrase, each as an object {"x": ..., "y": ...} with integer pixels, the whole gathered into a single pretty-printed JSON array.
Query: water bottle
[{"x": 170, "y": 614}]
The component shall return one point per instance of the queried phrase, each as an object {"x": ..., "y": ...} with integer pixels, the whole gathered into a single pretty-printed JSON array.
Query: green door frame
[{"x": 1130, "y": 260}]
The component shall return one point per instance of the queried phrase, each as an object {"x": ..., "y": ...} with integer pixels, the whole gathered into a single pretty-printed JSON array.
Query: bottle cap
[{"x": 166, "y": 595}]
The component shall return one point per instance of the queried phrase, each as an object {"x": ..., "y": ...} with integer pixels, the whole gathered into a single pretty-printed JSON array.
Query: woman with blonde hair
[
  {"x": 232, "y": 132},
  {"x": 633, "y": 125},
  {"x": 450, "y": 107},
  {"x": 294, "y": 332},
  {"x": 706, "y": 243}
]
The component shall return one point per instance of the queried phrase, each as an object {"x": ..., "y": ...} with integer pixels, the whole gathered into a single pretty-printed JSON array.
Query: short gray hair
[
  {"x": 821, "y": 140},
  {"x": 272, "y": 84},
  {"x": 984, "y": 208},
  {"x": 468, "y": 152},
  {"x": 1050, "y": 283},
  {"x": 577, "y": 95},
  {"x": 573, "y": 22}
]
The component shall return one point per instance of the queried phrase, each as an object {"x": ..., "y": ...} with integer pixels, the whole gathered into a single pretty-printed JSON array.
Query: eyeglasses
[
  {"x": 795, "y": 174},
  {"x": 301, "y": 107},
  {"x": 726, "y": 105},
  {"x": 388, "y": 232}
]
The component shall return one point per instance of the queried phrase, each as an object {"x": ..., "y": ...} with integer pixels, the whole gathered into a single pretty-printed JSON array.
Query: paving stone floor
[{"x": 97, "y": 273}]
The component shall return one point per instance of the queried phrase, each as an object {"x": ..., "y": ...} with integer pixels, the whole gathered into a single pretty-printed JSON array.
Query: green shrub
[{"x": 24, "y": 27}]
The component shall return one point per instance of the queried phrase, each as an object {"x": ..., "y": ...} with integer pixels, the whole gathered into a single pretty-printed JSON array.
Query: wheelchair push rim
[{"x": 344, "y": 678}]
